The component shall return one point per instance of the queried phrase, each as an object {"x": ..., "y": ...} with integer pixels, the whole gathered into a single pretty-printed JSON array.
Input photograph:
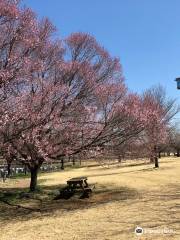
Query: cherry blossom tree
[
  {"x": 160, "y": 111},
  {"x": 174, "y": 141},
  {"x": 27, "y": 51},
  {"x": 53, "y": 102},
  {"x": 152, "y": 114}
]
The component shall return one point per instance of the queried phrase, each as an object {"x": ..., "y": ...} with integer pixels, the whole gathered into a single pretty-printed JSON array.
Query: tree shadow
[
  {"x": 20, "y": 205},
  {"x": 149, "y": 169},
  {"x": 119, "y": 173},
  {"x": 117, "y": 165}
]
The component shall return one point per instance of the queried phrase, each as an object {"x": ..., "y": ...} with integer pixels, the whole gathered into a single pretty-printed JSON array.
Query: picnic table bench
[{"x": 75, "y": 184}]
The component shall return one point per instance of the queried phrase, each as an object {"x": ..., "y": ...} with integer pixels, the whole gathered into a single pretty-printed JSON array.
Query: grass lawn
[{"x": 124, "y": 197}]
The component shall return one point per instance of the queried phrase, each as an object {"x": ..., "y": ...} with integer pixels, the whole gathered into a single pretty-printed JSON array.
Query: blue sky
[{"x": 145, "y": 34}]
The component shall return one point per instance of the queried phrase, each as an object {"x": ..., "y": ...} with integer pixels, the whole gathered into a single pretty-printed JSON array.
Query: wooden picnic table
[
  {"x": 73, "y": 185},
  {"x": 78, "y": 182}
]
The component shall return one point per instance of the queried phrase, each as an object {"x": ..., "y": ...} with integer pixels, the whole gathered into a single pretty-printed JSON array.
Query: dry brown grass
[{"x": 125, "y": 197}]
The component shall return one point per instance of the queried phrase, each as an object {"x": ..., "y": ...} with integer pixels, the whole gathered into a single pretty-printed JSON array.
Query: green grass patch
[{"x": 21, "y": 175}]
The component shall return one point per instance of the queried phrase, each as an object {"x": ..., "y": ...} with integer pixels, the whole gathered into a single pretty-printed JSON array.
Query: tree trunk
[
  {"x": 178, "y": 153},
  {"x": 151, "y": 159},
  {"x": 33, "y": 183},
  {"x": 25, "y": 170},
  {"x": 156, "y": 162},
  {"x": 119, "y": 159},
  {"x": 8, "y": 169},
  {"x": 159, "y": 154},
  {"x": 73, "y": 161},
  {"x": 62, "y": 164}
]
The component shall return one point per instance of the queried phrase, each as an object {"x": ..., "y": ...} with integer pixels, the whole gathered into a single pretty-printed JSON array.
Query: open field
[{"x": 124, "y": 197}]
